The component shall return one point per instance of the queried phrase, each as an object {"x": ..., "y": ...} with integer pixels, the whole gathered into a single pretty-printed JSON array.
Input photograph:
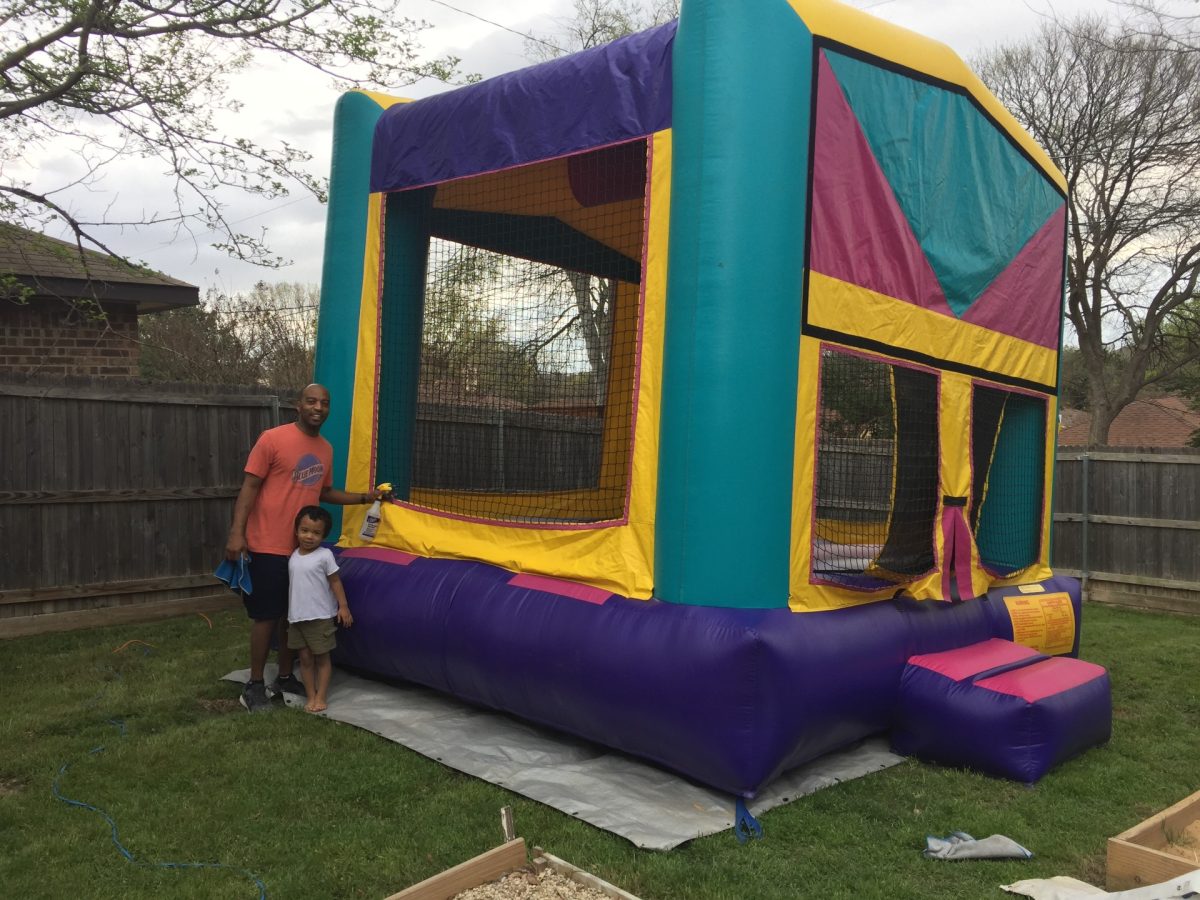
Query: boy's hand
[{"x": 344, "y": 618}]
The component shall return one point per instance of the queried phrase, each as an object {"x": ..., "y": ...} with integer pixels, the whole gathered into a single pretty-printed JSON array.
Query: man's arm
[
  {"x": 342, "y": 498},
  {"x": 235, "y": 546}
]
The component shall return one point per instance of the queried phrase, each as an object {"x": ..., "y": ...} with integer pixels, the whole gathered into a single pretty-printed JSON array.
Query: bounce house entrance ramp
[{"x": 1001, "y": 708}]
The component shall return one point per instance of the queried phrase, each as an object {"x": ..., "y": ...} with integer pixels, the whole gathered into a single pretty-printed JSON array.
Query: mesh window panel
[
  {"x": 1008, "y": 457},
  {"x": 528, "y": 342},
  {"x": 877, "y": 472}
]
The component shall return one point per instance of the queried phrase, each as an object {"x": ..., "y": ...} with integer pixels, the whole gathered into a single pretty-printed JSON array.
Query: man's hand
[
  {"x": 344, "y": 618},
  {"x": 235, "y": 547}
]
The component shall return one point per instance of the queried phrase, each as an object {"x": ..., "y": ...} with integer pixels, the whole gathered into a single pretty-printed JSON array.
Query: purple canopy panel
[{"x": 602, "y": 96}]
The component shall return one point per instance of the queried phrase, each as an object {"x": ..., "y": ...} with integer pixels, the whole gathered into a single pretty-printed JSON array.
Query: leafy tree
[
  {"x": 265, "y": 337},
  {"x": 856, "y": 398},
  {"x": 1185, "y": 381},
  {"x": 457, "y": 321},
  {"x": 149, "y": 78},
  {"x": 195, "y": 345},
  {"x": 469, "y": 350},
  {"x": 1116, "y": 109},
  {"x": 566, "y": 309}
]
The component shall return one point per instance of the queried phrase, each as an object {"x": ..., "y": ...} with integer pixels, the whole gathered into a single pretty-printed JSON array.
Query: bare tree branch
[
  {"x": 1116, "y": 109},
  {"x": 112, "y": 79}
]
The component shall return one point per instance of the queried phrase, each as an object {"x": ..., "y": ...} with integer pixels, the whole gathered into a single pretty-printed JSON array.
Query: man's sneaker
[
  {"x": 254, "y": 697},
  {"x": 288, "y": 684}
]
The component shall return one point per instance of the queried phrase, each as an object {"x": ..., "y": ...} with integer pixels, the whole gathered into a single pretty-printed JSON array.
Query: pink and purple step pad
[{"x": 1001, "y": 708}]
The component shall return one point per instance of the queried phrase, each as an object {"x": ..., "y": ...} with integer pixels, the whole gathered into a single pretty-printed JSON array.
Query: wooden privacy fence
[
  {"x": 478, "y": 449},
  {"x": 1127, "y": 522},
  {"x": 854, "y": 479},
  {"x": 115, "y": 497}
]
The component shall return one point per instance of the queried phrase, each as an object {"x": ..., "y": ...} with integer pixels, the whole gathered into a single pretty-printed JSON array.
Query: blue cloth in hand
[{"x": 236, "y": 574}]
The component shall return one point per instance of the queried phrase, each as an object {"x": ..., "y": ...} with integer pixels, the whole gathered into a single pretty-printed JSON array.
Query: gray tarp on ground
[{"x": 653, "y": 808}]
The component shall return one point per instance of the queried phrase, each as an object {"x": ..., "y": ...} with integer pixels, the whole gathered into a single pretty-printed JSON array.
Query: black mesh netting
[
  {"x": 528, "y": 342},
  {"x": 877, "y": 472}
]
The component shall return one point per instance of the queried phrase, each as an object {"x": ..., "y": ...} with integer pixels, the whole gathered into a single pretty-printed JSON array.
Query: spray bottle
[{"x": 371, "y": 521}]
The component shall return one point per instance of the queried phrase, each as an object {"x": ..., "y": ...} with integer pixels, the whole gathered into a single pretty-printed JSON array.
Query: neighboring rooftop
[
  {"x": 55, "y": 268},
  {"x": 1167, "y": 421}
]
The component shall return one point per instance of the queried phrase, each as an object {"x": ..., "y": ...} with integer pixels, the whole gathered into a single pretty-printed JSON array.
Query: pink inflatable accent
[
  {"x": 383, "y": 554},
  {"x": 956, "y": 553},
  {"x": 1023, "y": 300},
  {"x": 859, "y": 232},
  {"x": 967, "y": 661},
  {"x": 1043, "y": 679},
  {"x": 572, "y": 589}
]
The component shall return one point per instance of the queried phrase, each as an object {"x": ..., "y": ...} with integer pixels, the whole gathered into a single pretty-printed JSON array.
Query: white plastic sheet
[
  {"x": 649, "y": 806},
  {"x": 1061, "y": 887}
]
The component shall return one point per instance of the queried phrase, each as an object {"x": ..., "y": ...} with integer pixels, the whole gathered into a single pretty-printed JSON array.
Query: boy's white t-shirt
[{"x": 309, "y": 593}]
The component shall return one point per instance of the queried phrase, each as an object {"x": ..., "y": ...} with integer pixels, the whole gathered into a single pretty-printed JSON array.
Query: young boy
[{"x": 316, "y": 603}]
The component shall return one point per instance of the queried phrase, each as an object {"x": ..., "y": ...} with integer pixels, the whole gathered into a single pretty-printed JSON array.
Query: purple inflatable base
[
  {"x": 958, "y": 724},
  {"x": 728, "y": 697}
]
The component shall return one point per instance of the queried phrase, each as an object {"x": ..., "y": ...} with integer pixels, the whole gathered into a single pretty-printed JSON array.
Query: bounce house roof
[
  {"x": 620, "y": 91},
  {"x": 601, "y": 96}
]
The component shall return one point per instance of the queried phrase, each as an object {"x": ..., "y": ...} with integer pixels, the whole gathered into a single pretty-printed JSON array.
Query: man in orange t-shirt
[{"x": 290, "y": 467}]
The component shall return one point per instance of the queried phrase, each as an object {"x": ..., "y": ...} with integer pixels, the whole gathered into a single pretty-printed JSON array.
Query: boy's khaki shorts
[{"x": 318, "y": 635}]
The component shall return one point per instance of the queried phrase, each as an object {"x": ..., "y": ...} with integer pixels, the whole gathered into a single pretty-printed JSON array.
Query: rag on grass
[{"x": 960, "y": 845}]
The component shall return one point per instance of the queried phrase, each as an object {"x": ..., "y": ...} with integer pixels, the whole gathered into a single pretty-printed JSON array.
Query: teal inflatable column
[
  {"x": 742, "y": 83},
  {"x": 406, "y": 253},
  {"x": 342, "y": 273}
]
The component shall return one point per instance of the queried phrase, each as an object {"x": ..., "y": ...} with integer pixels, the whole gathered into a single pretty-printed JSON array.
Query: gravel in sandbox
[{"x": 529, "y": 885}]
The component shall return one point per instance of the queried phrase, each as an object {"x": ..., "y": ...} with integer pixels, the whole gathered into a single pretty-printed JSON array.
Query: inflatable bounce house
[{"x": 715, "y": 370}]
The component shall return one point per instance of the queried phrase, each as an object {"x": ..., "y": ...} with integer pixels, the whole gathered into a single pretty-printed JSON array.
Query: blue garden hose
[{"x": 115, "y": 834}]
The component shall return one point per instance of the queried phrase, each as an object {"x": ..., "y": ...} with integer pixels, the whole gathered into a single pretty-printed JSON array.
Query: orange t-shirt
[{"x": 294, "y": 467}]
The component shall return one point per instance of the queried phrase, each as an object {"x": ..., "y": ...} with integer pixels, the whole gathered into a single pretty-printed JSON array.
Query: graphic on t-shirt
[{"x": 309, "y": 470}]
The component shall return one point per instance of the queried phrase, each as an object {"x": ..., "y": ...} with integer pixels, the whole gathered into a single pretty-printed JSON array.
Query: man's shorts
[
  {"x": 318, "y": 635},
  {"x": 269, "y": 582}
]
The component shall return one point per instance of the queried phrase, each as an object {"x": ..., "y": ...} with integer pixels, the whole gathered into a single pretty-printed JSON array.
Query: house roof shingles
[
  {"x": 56, "y": 268},
  {"x": 1167, "y": 421}
]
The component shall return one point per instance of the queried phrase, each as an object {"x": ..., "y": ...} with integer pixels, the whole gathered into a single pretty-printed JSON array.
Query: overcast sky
[{"x": 287, "y": 102}]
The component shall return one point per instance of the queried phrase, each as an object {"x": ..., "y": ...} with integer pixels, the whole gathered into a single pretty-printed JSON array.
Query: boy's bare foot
[{"x": 316, "y": 706}]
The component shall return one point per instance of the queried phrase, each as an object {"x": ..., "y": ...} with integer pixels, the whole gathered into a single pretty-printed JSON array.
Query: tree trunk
[
  {"x": 595, "y": 325},
  {"x": 1102, "y": 419}
]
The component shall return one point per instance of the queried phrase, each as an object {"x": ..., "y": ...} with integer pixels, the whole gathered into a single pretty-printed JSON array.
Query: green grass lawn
[{"x": 317, "y": 809}]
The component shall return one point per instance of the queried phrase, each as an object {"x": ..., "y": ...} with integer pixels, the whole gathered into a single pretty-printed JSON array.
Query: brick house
[
  {"x": 63, "y": 312},
  {"x": 1167, "y": 421}
]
